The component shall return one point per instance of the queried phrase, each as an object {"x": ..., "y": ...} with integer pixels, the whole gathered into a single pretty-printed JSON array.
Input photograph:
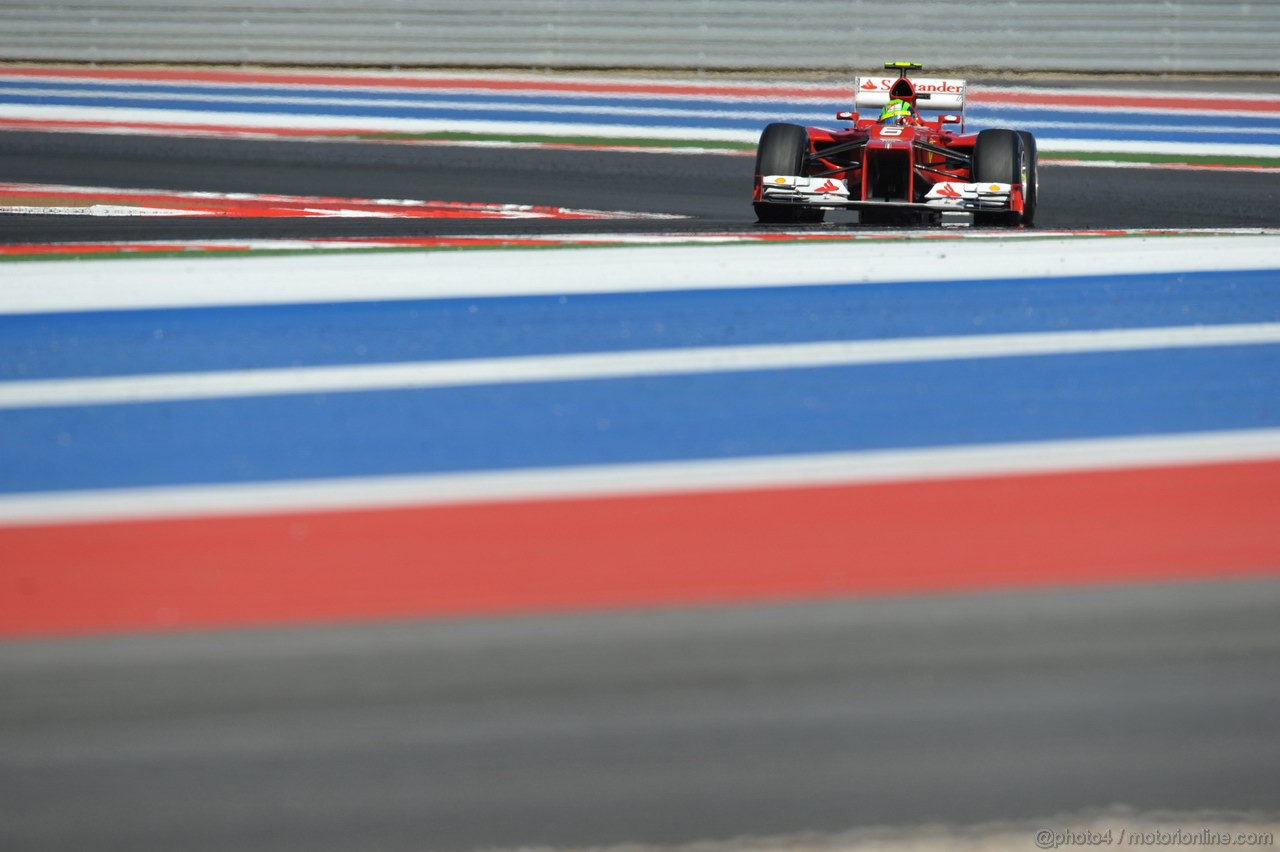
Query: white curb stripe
[
  {"x": 798, "y": 471},
  {"x": 87, "y": 285},
  {"x": 610, "y": 365},
  {"x": 249, "y": 120}
]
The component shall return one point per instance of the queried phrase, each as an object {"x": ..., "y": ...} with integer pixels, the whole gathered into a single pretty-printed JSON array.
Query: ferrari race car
[{"x": 904, "y": 170}]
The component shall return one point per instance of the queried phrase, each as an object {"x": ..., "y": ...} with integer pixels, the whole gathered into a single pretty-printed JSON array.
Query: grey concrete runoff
[{"x": 664, "y": 726}]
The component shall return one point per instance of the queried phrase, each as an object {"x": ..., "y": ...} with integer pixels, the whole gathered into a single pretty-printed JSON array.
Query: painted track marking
[
  {"x": 52, "y": 199},
  {"x": 193, "y": 101},
  {"x": 178, "y": 282},
  {"x": 608, "y": 365},
  {"x": 810, "y": 543},
  {"x": 654, "y": 478}
]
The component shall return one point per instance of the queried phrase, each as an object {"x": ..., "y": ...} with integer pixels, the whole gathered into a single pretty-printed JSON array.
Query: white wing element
[
  {"x": 931, "y": 94},
  {"x": 830, "y": 192},
  {"x": 804, "y": 189},
  {"x": 970, "y": 196}
]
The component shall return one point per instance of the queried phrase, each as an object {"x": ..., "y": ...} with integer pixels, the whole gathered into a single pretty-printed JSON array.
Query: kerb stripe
[
  {"x": 1193, "y": 523},
  {"x": 612, "y": 365}
]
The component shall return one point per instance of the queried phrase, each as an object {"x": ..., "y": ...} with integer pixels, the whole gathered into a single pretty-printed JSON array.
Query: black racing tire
[
  {"x": 1030, "y": 180},
  {"x": 998, "y": 158},
  {"x": 783, "y": 150}
]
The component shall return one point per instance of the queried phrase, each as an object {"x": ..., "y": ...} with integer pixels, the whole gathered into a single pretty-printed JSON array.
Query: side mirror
[
  {"x": 950, "y": 119},
  {"x": 846, "y": 116}
]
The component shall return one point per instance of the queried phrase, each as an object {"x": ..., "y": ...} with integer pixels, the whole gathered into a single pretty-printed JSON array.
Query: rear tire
[
  {"x": 1030, "y": 179},
  {"x": 998, "y": 158},
  {"x": 783, "y": 150}
]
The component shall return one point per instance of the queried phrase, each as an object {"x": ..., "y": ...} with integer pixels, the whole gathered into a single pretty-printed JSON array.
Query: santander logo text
[{"x": 884, "y": 84}]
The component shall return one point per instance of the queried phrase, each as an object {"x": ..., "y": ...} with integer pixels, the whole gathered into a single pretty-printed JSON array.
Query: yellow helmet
[{"x": 896, "y": 112}]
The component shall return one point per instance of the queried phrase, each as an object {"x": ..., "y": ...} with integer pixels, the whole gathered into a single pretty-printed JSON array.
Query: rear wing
[{"x": 931, "y": 94}]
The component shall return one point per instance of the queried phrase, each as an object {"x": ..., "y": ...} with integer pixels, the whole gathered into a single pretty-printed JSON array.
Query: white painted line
[
  {"x": 169, "y": 387},
  {"x": 87, "y": 285},
  {"x": 797, "y": 471},
  {"x": 218, "y": 203},
  {"x": 249, "y": 120},
  {"x": 986, "y": 93},
  {"x": 112, "y": 210},
  {"x": 1047, "y": 143},
  {"x": 1209, "y": 113}
]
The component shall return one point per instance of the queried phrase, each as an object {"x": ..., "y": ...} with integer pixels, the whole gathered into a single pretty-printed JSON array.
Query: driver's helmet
[{"x": 897, "y": 112}]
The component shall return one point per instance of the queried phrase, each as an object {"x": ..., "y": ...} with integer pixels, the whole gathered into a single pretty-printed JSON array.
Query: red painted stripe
[
  {"x": 275, "y": 206},
  {"x": 1126, "y": 526},
  {"x": 620, "y": 86}
]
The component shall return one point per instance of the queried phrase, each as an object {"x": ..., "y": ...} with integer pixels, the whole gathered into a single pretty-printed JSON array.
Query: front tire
[
  {"x": 998, "y": 158},
  {"x": 783, "y": 150}
]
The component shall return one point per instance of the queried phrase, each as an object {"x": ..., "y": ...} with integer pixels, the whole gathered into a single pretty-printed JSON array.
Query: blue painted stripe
[
  {"x": 232, "y": 338},
  {"x": 637, "y": 420}
]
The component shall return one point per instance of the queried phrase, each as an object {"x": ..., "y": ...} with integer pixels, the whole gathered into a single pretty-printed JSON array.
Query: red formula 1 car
[{"x": 900, "y": 168}]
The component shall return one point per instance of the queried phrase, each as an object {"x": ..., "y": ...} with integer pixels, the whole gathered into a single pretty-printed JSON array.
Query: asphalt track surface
[
  {"x": 662, "y": 726},
  {"x": 659, "y": 727},
  {"x": 713, "y": 190}
]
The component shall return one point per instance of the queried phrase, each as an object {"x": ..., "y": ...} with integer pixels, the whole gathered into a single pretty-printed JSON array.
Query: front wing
[{"x": 829, "y": 193}]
